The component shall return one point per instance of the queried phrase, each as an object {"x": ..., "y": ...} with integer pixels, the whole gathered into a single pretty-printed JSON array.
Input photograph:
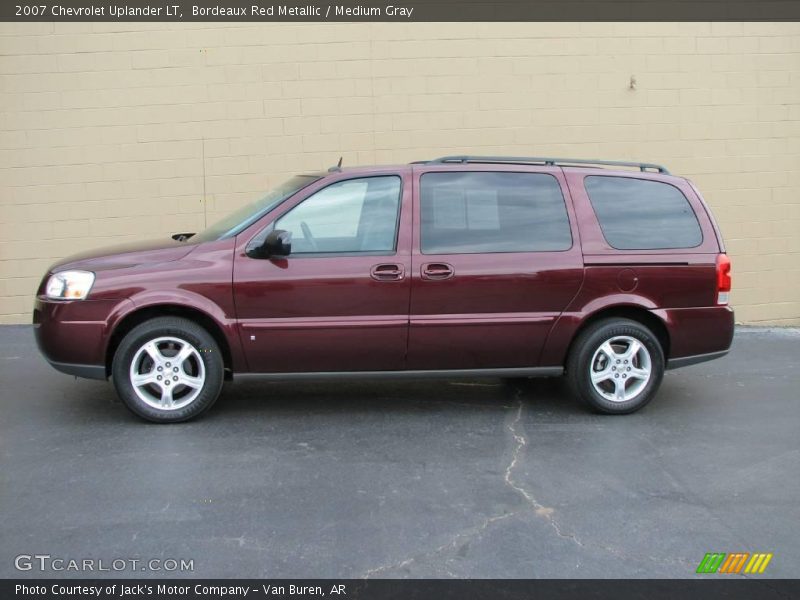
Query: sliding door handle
[{"x": 437, "y": 271}]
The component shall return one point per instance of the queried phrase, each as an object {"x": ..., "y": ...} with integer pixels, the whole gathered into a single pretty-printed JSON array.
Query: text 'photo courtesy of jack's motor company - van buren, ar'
[{"x": 199, "y": 590}]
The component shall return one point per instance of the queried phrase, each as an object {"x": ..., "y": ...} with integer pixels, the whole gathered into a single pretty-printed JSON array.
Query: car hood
[{"x": 125, "y": 255}]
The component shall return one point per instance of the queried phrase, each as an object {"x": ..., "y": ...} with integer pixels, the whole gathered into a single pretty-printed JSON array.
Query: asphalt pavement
[{"x": 480, "y": 478}]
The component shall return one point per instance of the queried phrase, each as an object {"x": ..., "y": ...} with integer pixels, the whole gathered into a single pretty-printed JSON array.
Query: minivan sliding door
[{"x": 494, "y": 263}]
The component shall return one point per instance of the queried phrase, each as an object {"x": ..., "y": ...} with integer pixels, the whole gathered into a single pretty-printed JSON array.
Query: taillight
[{"x": 723, "y": 278}]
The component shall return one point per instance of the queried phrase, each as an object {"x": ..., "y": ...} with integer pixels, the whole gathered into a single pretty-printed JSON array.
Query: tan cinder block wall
[{"x": 119, "y": 131}]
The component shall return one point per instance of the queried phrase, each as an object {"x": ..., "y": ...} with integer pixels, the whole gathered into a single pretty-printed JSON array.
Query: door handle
[
  {"x": 437, "y": 271},
  {"x": 387, "y": 272}
]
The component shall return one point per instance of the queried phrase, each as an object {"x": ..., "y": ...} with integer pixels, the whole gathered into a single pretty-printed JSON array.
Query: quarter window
[
  {"x": 639, "y": 214},
  {"x": 356, "y": 215},
  {"x": 485, "y": 212}
]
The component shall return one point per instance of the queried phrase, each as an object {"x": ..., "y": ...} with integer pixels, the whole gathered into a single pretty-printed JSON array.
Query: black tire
[
  {"x": 211, "y": 372},
  {"x": 586, "y": 349}
]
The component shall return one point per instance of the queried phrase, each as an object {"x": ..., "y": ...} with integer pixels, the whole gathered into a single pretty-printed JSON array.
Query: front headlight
[{"x": 69, "y": 285}]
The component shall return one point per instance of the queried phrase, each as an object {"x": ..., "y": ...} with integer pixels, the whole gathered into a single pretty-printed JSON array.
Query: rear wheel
[
  {"x": 168, "y": 369},
  {"x": 616, "y": 366}
]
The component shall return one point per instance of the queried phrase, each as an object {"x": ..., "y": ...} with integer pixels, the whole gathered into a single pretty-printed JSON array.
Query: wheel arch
[
  {"x": 625, "y": 311},
  {"x": 145, "y": 313}
]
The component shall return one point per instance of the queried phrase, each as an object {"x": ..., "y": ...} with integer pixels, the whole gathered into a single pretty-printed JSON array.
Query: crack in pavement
[
  {"x": 547, "y": 513},
  {"x": 466, "y": 534},
  {"x": 538, "y": 508}
]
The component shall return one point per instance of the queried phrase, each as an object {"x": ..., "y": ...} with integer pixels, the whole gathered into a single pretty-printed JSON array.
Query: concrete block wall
[{"x": 111, "y": 132}]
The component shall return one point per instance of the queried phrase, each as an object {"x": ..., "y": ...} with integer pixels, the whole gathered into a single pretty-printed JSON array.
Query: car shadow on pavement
[{"x": 354, "y": 396}]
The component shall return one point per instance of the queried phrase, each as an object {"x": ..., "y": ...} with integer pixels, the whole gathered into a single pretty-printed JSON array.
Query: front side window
[
  {"x": 356, "y": 215},
  {"x": 639, "y": 214},
  {"x": 483, "y": 212}
]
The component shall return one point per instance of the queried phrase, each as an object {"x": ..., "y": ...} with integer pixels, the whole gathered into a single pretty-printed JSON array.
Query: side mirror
[{"x": 277, "y": 243}]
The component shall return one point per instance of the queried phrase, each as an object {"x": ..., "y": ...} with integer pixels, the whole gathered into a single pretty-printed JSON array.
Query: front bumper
[{"x": 73, "y": 334}]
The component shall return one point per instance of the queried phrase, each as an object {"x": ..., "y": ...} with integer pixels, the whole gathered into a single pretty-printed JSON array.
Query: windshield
[{"x": 249, "y": 213}]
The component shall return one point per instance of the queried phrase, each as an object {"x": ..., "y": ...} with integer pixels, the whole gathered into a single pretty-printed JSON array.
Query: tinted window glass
[
  {"x": 637, "y": 214},
  {"x": 357, "y": 215},
  {"x": 481, "y": 212}
]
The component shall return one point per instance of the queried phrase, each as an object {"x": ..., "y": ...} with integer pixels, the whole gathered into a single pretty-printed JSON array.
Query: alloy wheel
[
  {"x": 167, "y": 373},
  {"x": 620, "y": 368}
]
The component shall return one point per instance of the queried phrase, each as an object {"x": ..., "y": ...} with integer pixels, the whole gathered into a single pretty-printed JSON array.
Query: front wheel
[
  {"x": 616, "y": 366},
  {"x": 168, "y": 369}
]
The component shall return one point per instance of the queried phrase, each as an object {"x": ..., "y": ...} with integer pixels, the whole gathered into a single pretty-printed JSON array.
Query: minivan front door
[
  {"x": 494, "y": 263},
  {"x": 339, "y": 301}
]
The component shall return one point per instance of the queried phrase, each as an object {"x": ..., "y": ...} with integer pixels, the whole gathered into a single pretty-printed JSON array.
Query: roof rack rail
[{"x": 549, "y": 161}]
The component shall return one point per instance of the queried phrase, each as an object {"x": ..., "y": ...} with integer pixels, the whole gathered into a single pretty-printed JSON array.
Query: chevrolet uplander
[{"x": 606, "y": 272}]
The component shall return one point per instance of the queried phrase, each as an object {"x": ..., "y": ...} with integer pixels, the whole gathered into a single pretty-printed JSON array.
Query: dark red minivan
[{"x": 607, "y": 272}]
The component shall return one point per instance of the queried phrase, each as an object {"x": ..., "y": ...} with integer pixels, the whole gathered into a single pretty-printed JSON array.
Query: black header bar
[{"x": 402, "y": 11}]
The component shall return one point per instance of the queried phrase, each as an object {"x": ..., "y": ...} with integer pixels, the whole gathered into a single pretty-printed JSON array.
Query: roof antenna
[{"x": 338, "y": 166}]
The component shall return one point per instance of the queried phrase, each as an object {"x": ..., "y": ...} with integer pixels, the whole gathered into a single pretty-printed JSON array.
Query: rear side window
[
  {"x": 638, "y": 214},
  {"x": 482, "y": 212}
]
